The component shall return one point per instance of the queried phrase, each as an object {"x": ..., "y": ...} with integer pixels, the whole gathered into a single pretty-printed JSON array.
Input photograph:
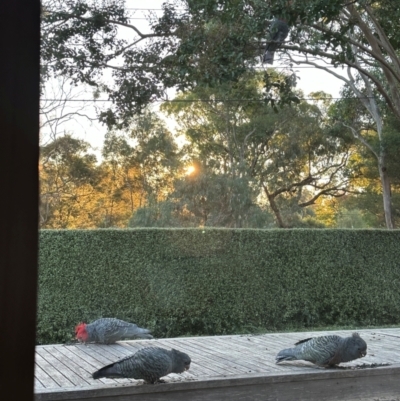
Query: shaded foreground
[{"x": 239, "y": 367}]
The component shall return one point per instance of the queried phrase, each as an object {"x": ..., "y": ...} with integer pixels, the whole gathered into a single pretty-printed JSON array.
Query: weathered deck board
[
  {"x": 201, "y": 351},
  {"x": 204, "y": 356},
  {"x": 59, "y": 378},
  {"x": 62, "y": 365},
  {"x": 43, "y": 378},
  {"x": 37, "y": 383},
  {"x": 239, "y": 354},
  {"x": 223, "y": 368},
  {"x": 81, "y": 359},
  {"x": 77, "y": 364},
  {"x": 226, "y": 359}
]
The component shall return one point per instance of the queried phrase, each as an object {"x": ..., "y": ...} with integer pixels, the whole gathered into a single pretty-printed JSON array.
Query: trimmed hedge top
[{"x": 217, "y": 281}]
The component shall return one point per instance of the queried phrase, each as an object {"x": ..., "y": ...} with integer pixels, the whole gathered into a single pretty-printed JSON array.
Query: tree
[
  {"x": 369, "y": 153},
  {"x": 139, "y": 165},
  {"x": 292, "y": 161},
  {"x": 359, "y": 35},
  {"x": 68, "y": 179},
  {"x": 56, "y": 110},
  {"x": 219, "y": 199},
  {"x": 194, "y": 43},
  {"x": 204, "y": 198},
  {"x": 120, "y": 188},
  {"x": 80, "y": 40},
  {"x": 206, "y": 43},
  {"x": 351, "y": 219},
  {"x": 365, "y": 120}
]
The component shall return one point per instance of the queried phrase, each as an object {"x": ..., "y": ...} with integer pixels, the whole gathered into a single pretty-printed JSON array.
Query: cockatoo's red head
[{"x": 80, "y": 332}]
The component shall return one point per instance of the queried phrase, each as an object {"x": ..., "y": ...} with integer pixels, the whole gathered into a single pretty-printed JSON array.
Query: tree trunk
[
  {"x": 274, "y": 207},
  {"x": 386, "y": 193}
]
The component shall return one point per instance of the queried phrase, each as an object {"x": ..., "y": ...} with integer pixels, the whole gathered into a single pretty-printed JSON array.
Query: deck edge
[{"x": 214, "y": 382}]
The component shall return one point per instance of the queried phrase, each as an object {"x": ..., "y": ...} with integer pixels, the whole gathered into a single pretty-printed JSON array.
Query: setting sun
[{"x": 190, "y": 170}]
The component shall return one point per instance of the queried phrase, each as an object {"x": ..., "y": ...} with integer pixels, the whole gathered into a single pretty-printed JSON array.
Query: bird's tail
[
  {"x": 137, "y": 331},
  {"x": 287, "y": 354},
  {"x": 107, "y": 371}
]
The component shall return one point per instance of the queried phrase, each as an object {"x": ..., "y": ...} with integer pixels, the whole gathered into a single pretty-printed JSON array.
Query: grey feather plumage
[
  {"x": 148, "y": 364},
  {"x": 326, "y": 350},
  {"x": 278, "y": 32},
  {"x": 110, "y": 330}
]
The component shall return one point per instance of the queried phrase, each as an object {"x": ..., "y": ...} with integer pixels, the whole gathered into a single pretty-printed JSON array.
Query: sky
[{"x": 310, "y": 80}]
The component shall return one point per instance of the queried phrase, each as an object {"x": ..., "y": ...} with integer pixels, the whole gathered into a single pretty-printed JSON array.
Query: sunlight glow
[{"x": 190, "y": 170}]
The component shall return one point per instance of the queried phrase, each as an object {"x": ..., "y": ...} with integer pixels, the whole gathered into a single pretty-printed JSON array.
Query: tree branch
[
  {"x": 375, "y": 80},
  {"x": 110, "y": 21},
  {"x": 361, "y": 139}
]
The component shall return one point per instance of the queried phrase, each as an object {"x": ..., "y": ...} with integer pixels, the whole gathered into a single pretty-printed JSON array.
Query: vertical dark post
[{"x": 19, "y": 139}]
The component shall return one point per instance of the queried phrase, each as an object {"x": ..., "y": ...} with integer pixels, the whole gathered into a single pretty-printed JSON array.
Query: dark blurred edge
[{"x": 19, "y": 139}]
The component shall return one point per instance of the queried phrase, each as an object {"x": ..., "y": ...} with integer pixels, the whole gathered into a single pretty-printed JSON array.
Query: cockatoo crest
[{"x": 80, "y": 332}]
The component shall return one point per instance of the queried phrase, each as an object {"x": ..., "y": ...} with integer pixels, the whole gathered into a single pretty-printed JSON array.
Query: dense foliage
[
  {"x": 210, "y": 42},
  {"x": 217, "y": 281},
  {"x": 209, "y": 50},
  {"x": 241, "y": 165}
]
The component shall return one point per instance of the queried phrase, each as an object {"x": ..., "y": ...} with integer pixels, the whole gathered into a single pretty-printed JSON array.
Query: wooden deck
[{"x": 239, "y": 367}]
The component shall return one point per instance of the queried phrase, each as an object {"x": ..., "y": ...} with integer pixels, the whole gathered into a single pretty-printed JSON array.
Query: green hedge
[{"x": 217, "y": 281}]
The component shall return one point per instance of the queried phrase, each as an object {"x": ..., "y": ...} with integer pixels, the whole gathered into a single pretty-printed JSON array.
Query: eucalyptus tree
[
  {"x": 142, "y": 160},
  {"x": 374, "y": 127},
  {"x": 205, "y": 43},
  {"x": 286, "y": 158},
  {"x": 194, "y": 43},
  {"x": 68, "y": 180},
  {"x": 363, "y": 38}
]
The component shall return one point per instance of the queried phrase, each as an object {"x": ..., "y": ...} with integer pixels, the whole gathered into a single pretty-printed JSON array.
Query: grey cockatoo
[
  {"x": 109, "y": 330},
  {"x": 326, "y": 350},
  {"x": 278, "y": 32},
  {"x": 148, "y": 364}
]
